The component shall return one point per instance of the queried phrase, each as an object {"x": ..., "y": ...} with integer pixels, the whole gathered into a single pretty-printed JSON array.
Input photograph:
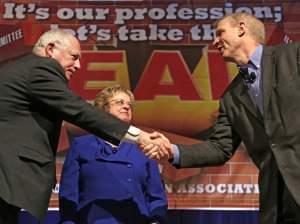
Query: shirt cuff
[
  {"x": 132, "y": 134},
  {"x": 176, "y": 155}
]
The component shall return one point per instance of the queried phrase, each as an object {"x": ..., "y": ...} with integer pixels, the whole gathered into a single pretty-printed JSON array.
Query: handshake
[{"x": 155, "y": 146}]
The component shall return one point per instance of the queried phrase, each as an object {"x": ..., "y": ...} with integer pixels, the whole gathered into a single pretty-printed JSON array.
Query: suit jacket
[
  {"x": 34, "y": 99},
  {"x": 110, "y": 185},
  {"x": 272, "y": 139}
]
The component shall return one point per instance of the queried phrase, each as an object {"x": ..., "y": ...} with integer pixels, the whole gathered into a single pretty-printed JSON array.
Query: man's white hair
[{"x": 55, "y": 36}]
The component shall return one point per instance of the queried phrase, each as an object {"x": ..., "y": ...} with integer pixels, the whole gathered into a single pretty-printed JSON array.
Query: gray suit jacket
[
  {"x": 272, "y": 139},
  {"x": 35, "y": 99}
]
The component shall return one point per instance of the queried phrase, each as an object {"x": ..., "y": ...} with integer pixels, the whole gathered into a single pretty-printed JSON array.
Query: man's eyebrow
[
  {"x": 218, "y": 31},
  {"x": 76, "y": 56}
]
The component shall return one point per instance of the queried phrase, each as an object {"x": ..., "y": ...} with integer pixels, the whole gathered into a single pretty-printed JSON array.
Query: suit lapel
[
  {"x": 240, "y": 90},
  {"x": 268, "y": 63}
]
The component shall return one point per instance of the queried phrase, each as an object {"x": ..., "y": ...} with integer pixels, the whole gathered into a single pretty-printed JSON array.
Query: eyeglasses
[{"x": 121, "y": 102}]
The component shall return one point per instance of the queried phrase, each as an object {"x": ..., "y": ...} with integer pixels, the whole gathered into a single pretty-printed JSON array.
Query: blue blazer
[{"x": 113, "y": 185}]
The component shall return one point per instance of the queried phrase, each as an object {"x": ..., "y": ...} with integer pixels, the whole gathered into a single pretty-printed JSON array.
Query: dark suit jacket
[
  {"x": 272, "y": 140},
  {"x": 110, "y": 186},
  {"x": 34, "y": 99}
]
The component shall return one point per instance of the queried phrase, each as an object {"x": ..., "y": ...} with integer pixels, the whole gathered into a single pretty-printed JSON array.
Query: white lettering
[{"x": 11, "y": 37}]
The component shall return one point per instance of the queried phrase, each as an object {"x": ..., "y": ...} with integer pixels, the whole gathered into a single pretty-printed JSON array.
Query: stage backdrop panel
[{"x": 162, "y": 51}]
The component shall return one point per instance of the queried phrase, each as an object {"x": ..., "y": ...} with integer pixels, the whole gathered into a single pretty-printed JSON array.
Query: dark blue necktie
[{"x": 248, "y": 77}]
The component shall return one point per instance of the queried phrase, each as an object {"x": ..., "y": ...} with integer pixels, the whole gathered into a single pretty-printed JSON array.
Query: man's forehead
[
  {"x": 226, "y": 22},
  {"x": 75, "y": 47}
]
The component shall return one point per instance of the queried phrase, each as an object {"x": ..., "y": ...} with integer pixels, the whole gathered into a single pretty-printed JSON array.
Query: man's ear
[
  {"x": 242, "y": 29},
  {"x": 49, "y": 50}
]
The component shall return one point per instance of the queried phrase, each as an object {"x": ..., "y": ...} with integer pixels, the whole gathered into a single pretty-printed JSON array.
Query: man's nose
[
  {"x": 77, "y": 64},
  {"x": 215, "y": 42}
]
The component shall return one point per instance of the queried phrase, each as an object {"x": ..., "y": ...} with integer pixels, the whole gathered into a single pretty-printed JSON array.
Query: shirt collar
[{"x": 255, "y": 59}]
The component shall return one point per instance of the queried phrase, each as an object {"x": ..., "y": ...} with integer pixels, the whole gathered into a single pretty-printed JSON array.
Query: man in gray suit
[
  {"x": 261, "y": 108},
  {"x": 35, "y": 99}
]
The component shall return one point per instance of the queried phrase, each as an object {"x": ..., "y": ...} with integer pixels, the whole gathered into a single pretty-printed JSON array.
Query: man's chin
[
  {"x": 68, "y": 75},
  {"x": 228, "y": 59}
]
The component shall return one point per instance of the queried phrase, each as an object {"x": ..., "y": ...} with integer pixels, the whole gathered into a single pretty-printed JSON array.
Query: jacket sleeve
[
  {"x": 69, "y": 186},
  {"x": 218, "y": 149},
  {"x": 155, "y": 194},
  {"x": 48, "y": 87}
]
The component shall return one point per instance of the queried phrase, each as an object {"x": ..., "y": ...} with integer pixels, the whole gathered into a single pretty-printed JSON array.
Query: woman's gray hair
[{"x": 103, "y": 97}]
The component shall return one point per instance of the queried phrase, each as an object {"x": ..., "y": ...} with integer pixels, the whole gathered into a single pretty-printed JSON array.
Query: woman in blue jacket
[{"x": 106, "y": 184}]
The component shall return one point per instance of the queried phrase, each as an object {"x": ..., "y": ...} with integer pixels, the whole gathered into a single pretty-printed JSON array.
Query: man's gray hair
[{"x": 55, "y": 36}]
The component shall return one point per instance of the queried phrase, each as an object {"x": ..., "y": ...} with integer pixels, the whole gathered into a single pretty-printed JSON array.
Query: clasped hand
[{"x": 156, "y": 146}]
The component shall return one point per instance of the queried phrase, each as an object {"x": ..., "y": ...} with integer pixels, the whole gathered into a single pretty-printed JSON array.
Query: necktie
[
  {"x": 253, "y": 88},
  {"x": 248, "y": 77}
]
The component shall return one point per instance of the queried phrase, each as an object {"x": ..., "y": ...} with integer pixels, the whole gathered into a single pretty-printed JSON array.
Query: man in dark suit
[
  {"x": 35, "y": 99},
  {"x": 260, "y": 108}
]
